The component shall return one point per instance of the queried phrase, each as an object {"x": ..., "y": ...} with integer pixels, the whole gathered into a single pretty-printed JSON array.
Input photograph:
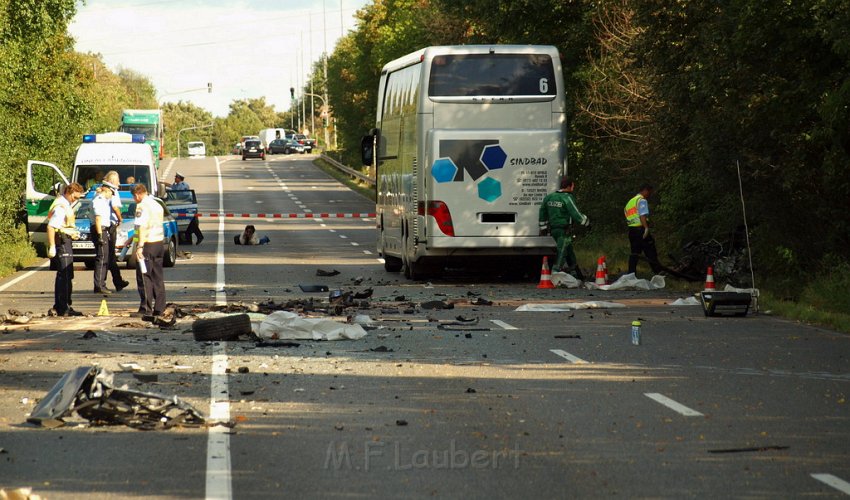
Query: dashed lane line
[
  {"x": 673, "y": 405},
  {"x": 504, "y": 325},
  {"x": 836, "y": 482},
  {"x": 569, "y": 357}
]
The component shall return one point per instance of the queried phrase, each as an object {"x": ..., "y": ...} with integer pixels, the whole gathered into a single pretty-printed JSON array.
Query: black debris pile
[
  {"x": 225, "y": 328},
  {"x": 322, "y": 272},
  {"x": 90, "y": 392},
  {"x": 437, "y": 304}
]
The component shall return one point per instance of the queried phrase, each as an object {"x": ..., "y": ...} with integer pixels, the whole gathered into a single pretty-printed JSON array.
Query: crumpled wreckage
[{"x": 89, "y": 391}]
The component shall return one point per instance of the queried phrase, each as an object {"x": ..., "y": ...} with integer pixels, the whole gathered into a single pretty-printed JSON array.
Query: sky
[{"x": 245, "y": 48}]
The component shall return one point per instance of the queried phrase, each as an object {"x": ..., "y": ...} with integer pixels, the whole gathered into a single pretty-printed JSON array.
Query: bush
[
  {"x": 15, "y": 256},
  {"x": 830, "y": 289}
]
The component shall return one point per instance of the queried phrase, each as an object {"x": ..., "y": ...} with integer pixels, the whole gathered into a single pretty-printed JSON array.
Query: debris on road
[
  {"x": 569, "y": 306},
  {"x": 18, "y": 494},
  {"x": 90, "y": 392},
  {"x": 89, "y": 335},
  {"x": 15, "y": 317},
  {"x": 481, "y": 302},
  {"x": 322, "y": 272},
  {"x": 224, "y": 329},
  {"x": 437, "y": 304},
  {"x": 313, "y": 288}
]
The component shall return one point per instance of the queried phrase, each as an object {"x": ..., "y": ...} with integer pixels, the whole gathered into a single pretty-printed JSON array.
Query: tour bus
[{"x": 468, "y": 141}]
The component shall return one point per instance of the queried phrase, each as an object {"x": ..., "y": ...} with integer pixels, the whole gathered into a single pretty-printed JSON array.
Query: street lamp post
[{"x": 325, "y": 117}]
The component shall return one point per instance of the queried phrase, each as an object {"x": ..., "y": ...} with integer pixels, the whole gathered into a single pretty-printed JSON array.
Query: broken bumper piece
[{"x": 89, "y": 391}]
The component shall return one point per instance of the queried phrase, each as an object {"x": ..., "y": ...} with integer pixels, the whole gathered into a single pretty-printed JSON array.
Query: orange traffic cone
[
  {"x": 709, "y": 279},
  {"x": 605, "y": 268},
  {"x": 600, "y": 271},
  {"x": 545, "y": 275}
]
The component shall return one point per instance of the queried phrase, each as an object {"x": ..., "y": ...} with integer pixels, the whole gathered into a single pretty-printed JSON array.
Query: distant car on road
[
  {"x": 305, "y": 141},
  {"x": 253, "y": 148},
  {"x": 277, "y": 146},
  {"x": 293, "y": 146},
  {"x": 197, "y": 148},
  {"x": 237, "y": 149}
]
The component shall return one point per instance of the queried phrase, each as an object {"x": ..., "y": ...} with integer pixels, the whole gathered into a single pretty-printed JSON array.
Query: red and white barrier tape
[{"x": 305, "y": 215}]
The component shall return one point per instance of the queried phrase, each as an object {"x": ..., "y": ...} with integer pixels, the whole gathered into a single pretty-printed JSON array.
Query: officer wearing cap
[
  {"x": 111, "y": 180},
  {"x": 150, "y": 251},
  {"x": 180, "y": 184},
  {"x": 102, "y": 206}
]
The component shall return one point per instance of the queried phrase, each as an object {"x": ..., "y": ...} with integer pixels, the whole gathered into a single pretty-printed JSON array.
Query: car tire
[
  {"x": 170, "y": 257},
  {"x": 223, "y": 329}
]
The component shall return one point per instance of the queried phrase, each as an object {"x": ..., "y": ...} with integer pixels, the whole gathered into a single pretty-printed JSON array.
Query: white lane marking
[
  {"x": 218, "y": 475},
  {"x": 25, "y": 275},
  {"x": 331, "y": 230},
  {"x": 343, "y": 236},
  {"x": 354, "y": 243},
  {"x": 569, "y": 357},
  {"x": 836, "y": 482},
  {"x": 503, "y": 324},
  {"x": 219, "y": 480},
  {"x": 381, "y": 260},
  {"x": 367, "y": 252},
  {"x": 673, "y": 405}
]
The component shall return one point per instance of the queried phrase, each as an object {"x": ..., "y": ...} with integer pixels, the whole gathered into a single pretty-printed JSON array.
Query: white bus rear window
[{"x": 459, "y": 75}]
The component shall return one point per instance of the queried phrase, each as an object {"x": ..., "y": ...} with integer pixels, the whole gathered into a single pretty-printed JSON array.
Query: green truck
[{"x": 147, "y": 122}]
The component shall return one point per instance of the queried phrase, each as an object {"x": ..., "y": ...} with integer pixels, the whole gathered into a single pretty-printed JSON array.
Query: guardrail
[{"x": 350, "y": 171}]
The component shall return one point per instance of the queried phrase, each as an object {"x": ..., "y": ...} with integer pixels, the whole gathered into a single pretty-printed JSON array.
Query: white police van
[{"x": 125, "y": 153}]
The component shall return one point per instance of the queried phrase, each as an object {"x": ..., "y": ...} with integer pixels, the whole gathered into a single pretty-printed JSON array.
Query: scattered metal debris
[
  {"x": 481, "y": 302},
  {"x": 224, "y": 329},
  {"x": 322, "y": 272},
  {"x": 89, "y": 335},
  {"x": 90, "y": 392},
  {"x": 313, "y": 288},
  {"x": 437, "y": 304}
]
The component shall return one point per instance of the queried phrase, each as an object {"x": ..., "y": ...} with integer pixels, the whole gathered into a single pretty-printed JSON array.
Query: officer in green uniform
[{"x": 557, "y": 213}]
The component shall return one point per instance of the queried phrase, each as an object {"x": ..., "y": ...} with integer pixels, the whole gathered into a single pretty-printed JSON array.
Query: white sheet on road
[
  {"x": 687, "y": 301},
  {"x": 569, "y": 306},
  {"x": 287, "y": 325},
  {"x": 564, "y": 280},
  {"x": 630, "y": 282}
]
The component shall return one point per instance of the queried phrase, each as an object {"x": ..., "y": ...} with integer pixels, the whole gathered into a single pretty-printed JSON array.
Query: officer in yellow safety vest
[
  {"x": 640, "y": 240},
  {"x": 61, "y": 230},
  {"x": 150, "y": 250}
]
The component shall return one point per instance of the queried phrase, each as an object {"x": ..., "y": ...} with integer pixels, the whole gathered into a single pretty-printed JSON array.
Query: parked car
[
  {"x": 293, "y": 146},
  {"x": 253, "y": 148},
  {"x": 277, "y": 146},
  {"x": 305, "y": 141},
  {"x": 84, "y": 247}
]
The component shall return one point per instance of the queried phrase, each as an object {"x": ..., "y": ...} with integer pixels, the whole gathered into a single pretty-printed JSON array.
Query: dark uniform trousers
[
  {"x": 64, "y": 264},
  {"x": 151, "y": 285},
  {"x": 117, "y": 279},
  {"x": 101, "y": 259},
  {"x": 194, "y": 229},
  {"x": 640, "y": 245}
]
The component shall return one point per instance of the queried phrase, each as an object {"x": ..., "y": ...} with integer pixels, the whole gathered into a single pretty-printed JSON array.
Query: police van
[
  {"x": 127, "y": 154},
  {"x": 468, "y": 141}
]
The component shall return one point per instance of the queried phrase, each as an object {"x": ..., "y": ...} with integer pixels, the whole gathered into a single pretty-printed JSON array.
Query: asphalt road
[{"x": 477, "y": 401}]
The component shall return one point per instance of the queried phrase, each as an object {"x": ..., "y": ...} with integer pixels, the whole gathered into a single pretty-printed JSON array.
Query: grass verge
[
  {"x": 363, "y": 189},
  {"x": 16, "y": 256}
]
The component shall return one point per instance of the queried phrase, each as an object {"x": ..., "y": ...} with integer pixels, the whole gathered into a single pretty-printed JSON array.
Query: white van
[
  {"x": 267, "y": 135},
  {"x": 197, "y": 149},
  {"x": 468, "y": 141}
]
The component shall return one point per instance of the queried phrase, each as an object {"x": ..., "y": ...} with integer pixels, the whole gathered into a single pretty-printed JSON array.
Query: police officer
[
  {"x": 180, "y": 184},
  {"x": 150, "y": 250},
  {"x": 61, "y": 230},
  {"x": 102, "y": 207},
  {"x": 111, "y": 180},
  {"x": 557, "y": 213},
  {"x": 636, "y": 212}
]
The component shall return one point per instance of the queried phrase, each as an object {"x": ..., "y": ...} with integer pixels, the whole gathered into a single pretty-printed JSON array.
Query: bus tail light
[{"x": 440, "y": 212}]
